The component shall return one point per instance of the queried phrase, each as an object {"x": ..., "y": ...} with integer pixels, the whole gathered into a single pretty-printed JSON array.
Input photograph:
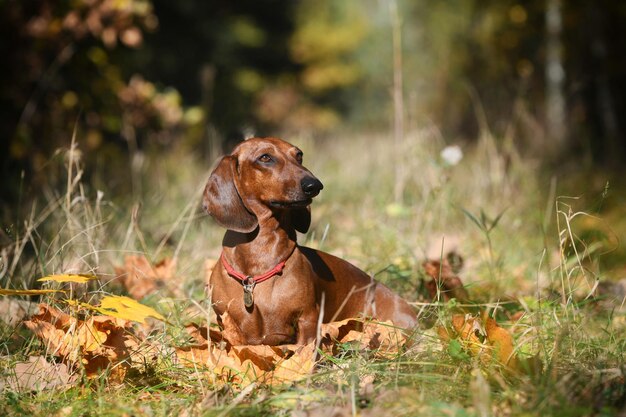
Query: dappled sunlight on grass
[{"x": 532, "y": 275}]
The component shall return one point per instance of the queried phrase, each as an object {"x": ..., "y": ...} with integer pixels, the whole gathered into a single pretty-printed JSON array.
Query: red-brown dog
[{"x": 273, "y": 288}]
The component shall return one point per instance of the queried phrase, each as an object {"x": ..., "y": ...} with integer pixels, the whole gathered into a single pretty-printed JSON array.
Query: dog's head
[{"x": 260, "y": 177}]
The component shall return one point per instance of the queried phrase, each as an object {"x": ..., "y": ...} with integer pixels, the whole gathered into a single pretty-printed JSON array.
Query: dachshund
[{"x": 274, "y": 289}]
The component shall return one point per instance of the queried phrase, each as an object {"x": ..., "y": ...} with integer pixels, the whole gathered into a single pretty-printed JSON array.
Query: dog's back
[{"x": 349, "y": 292}]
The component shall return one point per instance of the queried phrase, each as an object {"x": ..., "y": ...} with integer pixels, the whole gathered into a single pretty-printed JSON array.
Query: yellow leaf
[
  {"x": 76, "y": 303},
  {"x": 4, "y": 291},
  {"x": 89, "y": 337},
  {"x": 79, "y": 278},
  {"x": 127, "y": 309}
]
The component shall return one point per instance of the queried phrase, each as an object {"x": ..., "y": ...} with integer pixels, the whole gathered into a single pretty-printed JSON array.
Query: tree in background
[
  {"x": 463, "y": 57},
  {"x": 131, "y": 74},
  {"x": 66, "y": 69}
]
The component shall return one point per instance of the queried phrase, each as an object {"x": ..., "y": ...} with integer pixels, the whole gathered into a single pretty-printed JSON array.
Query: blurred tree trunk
[
  {"x": 398, "y": 95},
  {"x": 612, "y": 148},
  {"x": 213, "y": 143},
  {"x": 555, "y": 78}
]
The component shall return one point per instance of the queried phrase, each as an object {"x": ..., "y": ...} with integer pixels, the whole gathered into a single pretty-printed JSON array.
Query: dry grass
[{"x": 531, "y": 261}]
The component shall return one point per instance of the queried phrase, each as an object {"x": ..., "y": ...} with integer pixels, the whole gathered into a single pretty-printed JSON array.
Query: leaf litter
[
  {"x": 141, "y": 278},
  {"x": 229, "y": 362},
  {"x": 104, "y": 339},
  {"x": 95, "y": 344}
]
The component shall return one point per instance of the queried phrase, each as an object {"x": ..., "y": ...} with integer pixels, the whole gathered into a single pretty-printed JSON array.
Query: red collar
[{"x": 246, "y": 279}]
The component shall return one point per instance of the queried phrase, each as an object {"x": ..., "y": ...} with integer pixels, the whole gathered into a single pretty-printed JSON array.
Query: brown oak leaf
[
  {"x": 227, "y": 360},
  {"x": 444, "y": 281},
  {"x": 38, "y": 374},
  {"x": 141, "y": 278}
]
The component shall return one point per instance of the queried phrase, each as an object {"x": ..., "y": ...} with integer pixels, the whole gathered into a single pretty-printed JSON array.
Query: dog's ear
[
  {"x": 301, "y": 219},
  {"x": 222, "y": 200}
]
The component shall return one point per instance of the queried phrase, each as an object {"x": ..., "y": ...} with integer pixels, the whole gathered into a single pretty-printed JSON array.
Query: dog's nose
[{"x": 311, "y": 186}]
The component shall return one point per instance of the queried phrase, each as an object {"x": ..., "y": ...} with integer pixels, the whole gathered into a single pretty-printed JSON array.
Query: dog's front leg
[{"x": 307, "y": 326}]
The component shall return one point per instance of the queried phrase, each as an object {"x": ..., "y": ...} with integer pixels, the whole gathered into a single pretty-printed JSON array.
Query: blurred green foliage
[{"x": 133, "y": 74}]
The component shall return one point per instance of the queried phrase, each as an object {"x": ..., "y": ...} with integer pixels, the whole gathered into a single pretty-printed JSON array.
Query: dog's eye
[
  {"x": 265, "y": 158},
  {"x": 299, "y": 156}
]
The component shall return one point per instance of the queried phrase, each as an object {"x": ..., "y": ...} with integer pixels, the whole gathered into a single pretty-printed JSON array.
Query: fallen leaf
[
  {"x": 127, "y": 309},
  {"x": 96, "y": 344},
  {"x": 481, "y": 337},
  {"x": 264, "y": 357},
  {"x": 470, "y": 332},
  {"x": 294, "y": 368},
  {"x": 141, "y": 278},
  {"x": 383, "y": 338},
  {"x": 242, "y": 365},
  {"x": 444, "y": 281},
  {"x": 78, "y": 278},
  {"x": 65, "y": 336},
  {"x": 6, "y": 291},
  {"x": 222, "y": 364},
  {"x": 228, "y": 361},
  {"x": 502, "y": 342},
  {"x": 337, "y": 330},
  {"x": 198, "y": 333},
  {"x": 37, "y": 374}
]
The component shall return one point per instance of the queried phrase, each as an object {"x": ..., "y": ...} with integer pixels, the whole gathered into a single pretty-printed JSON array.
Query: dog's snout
[{"x": 311, "y": 186}]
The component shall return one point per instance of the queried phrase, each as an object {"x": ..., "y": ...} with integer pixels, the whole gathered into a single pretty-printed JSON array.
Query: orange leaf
[
  {"x": 469, "y": 328},
  {"x": 384, "y": 338},
  {"x": 97, "y": 343},
  {"x": 487, "y": 342},
  {"x": 502, "y": 341},
  {"x": 337, "y": 330},
  {"x": 232, "y": 362},
  {"x": 263, "y": 357},
  {"x": 141, "y": 278},
  {"x": 245, "y": 364},
  {"x": 294, "y": 368},
  {"x": 222, "y": 364}
]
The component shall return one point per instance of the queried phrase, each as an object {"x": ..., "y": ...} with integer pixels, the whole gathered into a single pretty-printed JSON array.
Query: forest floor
[{"x": 530, "y": 318}]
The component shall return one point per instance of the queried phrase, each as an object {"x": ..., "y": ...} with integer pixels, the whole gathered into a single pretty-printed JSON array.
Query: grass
[{"x": 531, "y": 260}]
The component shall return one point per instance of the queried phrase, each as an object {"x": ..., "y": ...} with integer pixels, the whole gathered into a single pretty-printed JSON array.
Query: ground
[{"x": 541, "y": 267}]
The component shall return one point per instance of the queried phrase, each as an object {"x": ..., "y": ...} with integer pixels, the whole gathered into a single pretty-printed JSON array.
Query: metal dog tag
[{"x": 248, "y": 288}]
